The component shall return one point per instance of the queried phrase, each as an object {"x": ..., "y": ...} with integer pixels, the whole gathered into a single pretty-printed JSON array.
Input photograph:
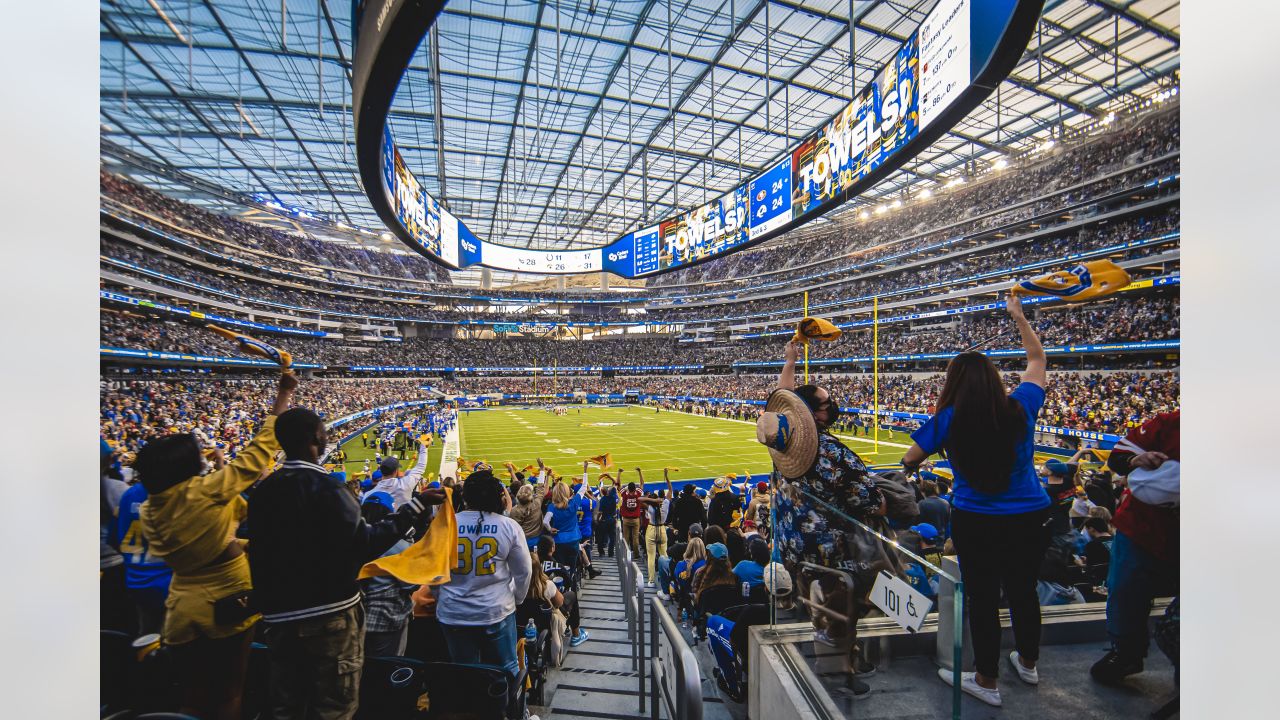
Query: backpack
[{"x": 899, "y": 497}]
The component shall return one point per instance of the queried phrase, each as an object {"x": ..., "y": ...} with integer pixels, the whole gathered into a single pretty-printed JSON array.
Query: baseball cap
[
  {"x": 702, "y": 492},
  {"x": 382, "y": 499},
  {"x": 377, "y": 475},
  {"x": 695, "y": 530},
  {"x": 926, "y": 531},
  {"x": 762, "y": 487},
  {"x": 389, "y": 465},
  {"x": 718, "y": 551},
  {"x": 776, "y": 579},
  {"x": 433, "y": 484},
  {"x": 1057, "y": 467}
]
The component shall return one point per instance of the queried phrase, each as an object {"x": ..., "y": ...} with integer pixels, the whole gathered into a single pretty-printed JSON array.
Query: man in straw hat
[{"x": 820, "y": 482}]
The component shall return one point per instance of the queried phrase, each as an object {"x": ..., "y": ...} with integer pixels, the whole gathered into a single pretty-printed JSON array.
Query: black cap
[{"x": 389, "y": 466}]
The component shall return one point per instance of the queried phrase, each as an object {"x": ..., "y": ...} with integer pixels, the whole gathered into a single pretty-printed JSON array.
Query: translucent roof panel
[{"x": 565, "y": 124}]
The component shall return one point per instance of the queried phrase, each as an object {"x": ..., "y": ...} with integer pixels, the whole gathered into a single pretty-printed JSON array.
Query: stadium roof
[{"x": 565, "y": 124}]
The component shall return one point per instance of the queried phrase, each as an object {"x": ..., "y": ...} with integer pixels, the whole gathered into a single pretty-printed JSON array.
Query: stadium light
[
  {"x": 926, "y": 194},
  {"x": 863, "y": 215},
  {"x": 882, "y": 209},
  {"x": 1000, "y": 164},
  {"x": 895, "y": 204}
]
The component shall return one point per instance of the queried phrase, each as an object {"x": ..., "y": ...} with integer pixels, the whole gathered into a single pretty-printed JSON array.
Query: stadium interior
[{"x": 234, "y": 193}]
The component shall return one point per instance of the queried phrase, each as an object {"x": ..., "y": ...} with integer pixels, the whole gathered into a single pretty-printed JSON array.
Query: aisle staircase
[{"x": 599, "y": 679}]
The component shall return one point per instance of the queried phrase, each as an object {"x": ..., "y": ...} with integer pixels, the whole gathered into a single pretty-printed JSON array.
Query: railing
[
  {"x": 676, "y": 680},
  {"x": 633, "y": 603}
]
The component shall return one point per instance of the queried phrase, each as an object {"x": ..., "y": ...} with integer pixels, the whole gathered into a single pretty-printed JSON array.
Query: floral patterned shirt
[{"x": 810, "y": 531}]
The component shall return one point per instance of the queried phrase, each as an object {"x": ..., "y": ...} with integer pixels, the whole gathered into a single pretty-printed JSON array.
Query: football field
[{"x": 702, "y": 447}]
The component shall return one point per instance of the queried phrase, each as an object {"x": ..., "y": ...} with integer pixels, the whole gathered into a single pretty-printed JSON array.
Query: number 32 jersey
[{"x": 493, "y": 571}]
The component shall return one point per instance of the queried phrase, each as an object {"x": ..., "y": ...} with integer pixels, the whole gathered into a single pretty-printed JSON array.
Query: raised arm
[
  {"x": 1037, "y": 363},
  {"x": 249, "y": 464},
  {"x": 666, "y": 475},
  {"x": 787, "y": 380}
]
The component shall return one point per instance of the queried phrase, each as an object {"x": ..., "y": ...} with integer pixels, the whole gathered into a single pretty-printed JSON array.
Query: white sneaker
[
  {"x": 663, "y": 596},
  {"x": 969, "y": 684},
  {"x": 821, "y": 636},
  {"x": 1030, "y": 677},
  {"x": 648, "y": 584}
]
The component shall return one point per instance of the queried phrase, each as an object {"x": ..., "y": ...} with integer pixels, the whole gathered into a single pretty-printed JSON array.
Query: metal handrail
[{"x": 687, "y": 702}]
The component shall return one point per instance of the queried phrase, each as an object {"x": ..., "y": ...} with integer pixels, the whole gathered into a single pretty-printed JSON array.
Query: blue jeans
[
  {"x": 484, "y": 644},
  {"x": 664, "y": 574},
  {"x": 1133, "y": 581}
]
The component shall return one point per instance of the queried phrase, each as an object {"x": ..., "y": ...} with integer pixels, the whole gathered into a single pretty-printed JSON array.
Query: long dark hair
[{"x": 986, "y": 424}]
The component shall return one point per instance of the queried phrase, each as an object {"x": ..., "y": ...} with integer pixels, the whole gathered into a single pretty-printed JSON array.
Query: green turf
[
  {"x": 701, "y": 447},
  {"x": 357, "y": 454}
]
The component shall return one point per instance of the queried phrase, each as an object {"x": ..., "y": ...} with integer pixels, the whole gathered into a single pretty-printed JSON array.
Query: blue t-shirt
[
  {"x": 565, "y": 521},
  {"x": 749, "y": 571},
  {"x": 1024, "y": 493},
  {"x": 142, "y": 571}
]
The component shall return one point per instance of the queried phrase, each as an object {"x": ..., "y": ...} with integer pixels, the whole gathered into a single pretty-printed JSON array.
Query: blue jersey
[
  {"x": 585, "y": 508},
  {"x": 565, "y": 521},
  {"x": 142, "y": 570}
]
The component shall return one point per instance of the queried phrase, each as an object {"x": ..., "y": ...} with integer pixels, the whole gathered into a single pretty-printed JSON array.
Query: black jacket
[
  {"x": 685, "y": 511},
  {"x": 308, "y": 542},
  {"x": 720, "y": 511}
]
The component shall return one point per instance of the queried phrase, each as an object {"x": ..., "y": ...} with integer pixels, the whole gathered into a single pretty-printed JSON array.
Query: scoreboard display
[{"x": 956, "y": 57}]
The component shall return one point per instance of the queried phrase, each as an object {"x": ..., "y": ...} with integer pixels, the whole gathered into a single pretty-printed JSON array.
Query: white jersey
[{"x": 493, "y": 571}]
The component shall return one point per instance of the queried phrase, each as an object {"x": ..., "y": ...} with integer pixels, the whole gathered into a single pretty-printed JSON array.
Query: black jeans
[{"x": 998, "y": 551}]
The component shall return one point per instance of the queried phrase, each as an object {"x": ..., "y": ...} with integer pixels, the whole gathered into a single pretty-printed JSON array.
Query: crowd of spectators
[
  {"x": 1097, "y": 401},
  {"x": 277, "y": 296},
  {"x": 1146, "y": 137},
  {"x": 225, "y": 410},
  {"x": 1124, "y": 319},
  {"x": 941, "y": 276},
  {"x": 124, "y": 194}
]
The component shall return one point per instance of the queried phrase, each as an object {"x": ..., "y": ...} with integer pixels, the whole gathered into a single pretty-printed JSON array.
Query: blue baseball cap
[
  {"x": 926, "y": 531},
  {"x": 1057, "y": 467},
  {"x": 434, "y": 484},
  {"x": 718, "y": 551},
  {"x": 377, "y": 475},
  {"x": 382, "y": 499}
]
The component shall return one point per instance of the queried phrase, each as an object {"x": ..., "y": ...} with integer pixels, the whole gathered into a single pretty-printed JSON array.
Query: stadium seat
[
  {"x": 457, "y": 690},
  {"x": 390, "y": 688},
  {"x": 116, "y": 658}
]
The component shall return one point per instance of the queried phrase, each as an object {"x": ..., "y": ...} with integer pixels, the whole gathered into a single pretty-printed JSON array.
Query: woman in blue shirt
[
  {"x": 1000, "y": 509},
  {"x": 561, "y": 522}
]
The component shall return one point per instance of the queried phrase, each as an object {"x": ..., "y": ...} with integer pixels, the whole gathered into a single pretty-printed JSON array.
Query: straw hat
[{"x": 787, "y": 429}]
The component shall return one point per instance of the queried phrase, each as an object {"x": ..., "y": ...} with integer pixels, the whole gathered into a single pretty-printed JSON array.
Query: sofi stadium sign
[{"x": 957, "y": 56}]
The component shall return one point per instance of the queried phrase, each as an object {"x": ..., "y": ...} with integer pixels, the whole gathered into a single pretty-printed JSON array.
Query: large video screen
[{"x": 919, "y": 84}]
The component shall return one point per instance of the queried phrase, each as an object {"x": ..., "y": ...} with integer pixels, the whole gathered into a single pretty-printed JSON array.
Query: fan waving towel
[
  {"x": 428, "y": 561},
  {"x": 815, "y": 328},
  {"x": 1083, "y": 282},
  {"x": 604, "y": 461},
  {"x": 253, "y": 346}
]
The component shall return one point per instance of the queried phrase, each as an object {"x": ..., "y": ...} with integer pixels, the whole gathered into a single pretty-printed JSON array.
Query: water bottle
[
  {"x": 746, "y": 589},
  {"x": 530, "y": 641}
]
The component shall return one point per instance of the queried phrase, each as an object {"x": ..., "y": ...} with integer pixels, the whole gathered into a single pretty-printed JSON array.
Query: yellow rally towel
[
  {"x": 426, "y": 440},
  {"x": 528, "y": 469},
  {"x": 253, "y": 346},
  {"x": 815, "y": 328},
  {"x": 1091, "y": 280},
  {"x": 428, "y": 561},
  {"x": 604, "y": 461},
  {"x": 672, "y": 468}
]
